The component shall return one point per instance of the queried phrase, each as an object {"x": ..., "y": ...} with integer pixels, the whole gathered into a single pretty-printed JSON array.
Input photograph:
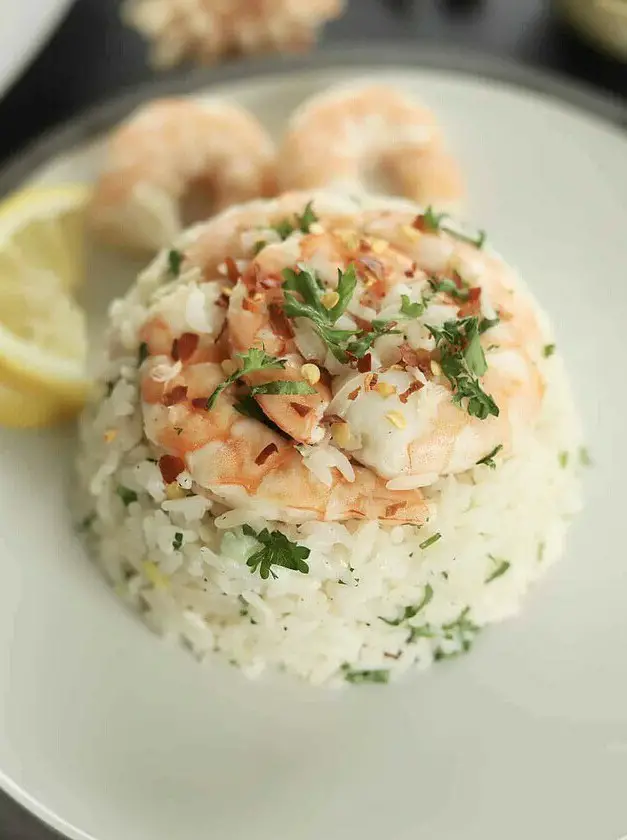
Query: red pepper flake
[
  {"x": 300, "y": 409},
  {"x": 176, "y": 395},
  {"x": 412, "y": 271},
  {"x": 279, "y": 322},
  {"x": 472, "y": 305},
  {"x": 187, "y": 346},
  {"x": 370, "y": 382},
  {"x": 232, "y": 271},
  {"x": 171, "y": 467},
  {"x": 248, "y": 305},
  {"x": 364, "y": 365},
  {"x": 416, "y": 358},
  {"x": 391, "y": 510},
  {"x": 174, "y": 352},
  {"x": 354, "y": 394},
  {"x": 362, "y": 323},
  {"x": 200, "y": 402},
  {"x": 415, "y": 386},
  {"x": 330, "y": 419},
  {"x": 265, "y": 453},
  {"x": 421, "y": 223}
]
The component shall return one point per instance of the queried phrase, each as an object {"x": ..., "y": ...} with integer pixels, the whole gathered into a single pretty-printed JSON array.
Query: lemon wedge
[
  {"x": 43, "y": 343},
  {"x": 21, "y": 410}
]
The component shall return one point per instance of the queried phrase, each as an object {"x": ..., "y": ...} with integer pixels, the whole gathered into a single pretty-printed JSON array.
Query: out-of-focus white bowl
[{"x": 25, "y": 26}]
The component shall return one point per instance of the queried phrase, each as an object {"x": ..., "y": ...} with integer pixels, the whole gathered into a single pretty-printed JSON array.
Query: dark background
[{"x": 92, "y": 57}]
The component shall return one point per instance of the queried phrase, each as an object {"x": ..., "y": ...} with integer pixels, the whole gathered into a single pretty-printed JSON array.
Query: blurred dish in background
[
  {"x": 25, "y": 26},
  {"x": 604, "y": 22},
  {"x": 207, "y": 30}
]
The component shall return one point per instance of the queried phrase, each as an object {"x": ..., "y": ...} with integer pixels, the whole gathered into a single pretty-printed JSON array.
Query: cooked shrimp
[
  {"x": 424, "y": 351},
  {"x": 205, "y": 30},
  {"x": 237, "y": 459},
  {"x": 172, "y": 154},
  {"x": 343, "y": 137}
]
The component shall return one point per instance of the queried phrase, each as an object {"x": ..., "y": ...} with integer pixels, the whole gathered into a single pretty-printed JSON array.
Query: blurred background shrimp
[
  {"x": 175, "y": 161},
  {"x": 370, "y": 137}
]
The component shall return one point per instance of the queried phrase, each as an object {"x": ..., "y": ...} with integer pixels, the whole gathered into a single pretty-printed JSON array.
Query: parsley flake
[
  {"x": 584, "y": 457},
  {"x": 252, "y": 361},
  {"x": 303, "y": 222},
  {"x": 501, "y": 567},
  {"x": 276, "y": 550},
  {"x": 411, "y": 310},
  {"x": 410, "y": 612},
  {"x": 126, "y": 495},
  {"x": 463, "y": 631},
  {"x": 431, "y": 541},
  {"x": 563, "y": 458},
  {"x": 344, "y": 344},
  {"x": 447, "y": 286},
  {"x": 463, "y": 361},
  {"x": 433, "y": 222},
  {"x": 548, "y": 350},
  {"x": 177, "y": 542},
  {"x": 175, "y": 260},
  {"x": 142, "y": 353},
  {"x": 282, "y": 387},
  {"x": 488, "y": 460},
  {"x": 379, "y": 676}
]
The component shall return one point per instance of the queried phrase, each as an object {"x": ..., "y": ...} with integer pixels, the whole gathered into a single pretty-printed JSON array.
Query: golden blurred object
[
  {"x": 43, "y": 342},
  {"x": 603, "y": 22},
  {"x": 207, "y": 30}
]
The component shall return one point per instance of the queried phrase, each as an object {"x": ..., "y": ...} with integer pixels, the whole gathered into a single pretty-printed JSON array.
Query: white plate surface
[
  {"x": 108, "y": 733},
  {"x": 25, "y": 26}
]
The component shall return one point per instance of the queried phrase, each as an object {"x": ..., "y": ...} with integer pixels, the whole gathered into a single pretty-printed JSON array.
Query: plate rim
[{"x": 97, "y": 119}]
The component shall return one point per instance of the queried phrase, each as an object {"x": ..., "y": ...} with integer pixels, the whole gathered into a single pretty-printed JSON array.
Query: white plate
[
  {"x": 106, "y": 732},
  {"x": 25, "y": 26}
]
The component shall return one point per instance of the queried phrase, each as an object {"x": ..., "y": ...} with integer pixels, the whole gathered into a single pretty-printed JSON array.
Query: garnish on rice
[{"x": 276, "y": 550}]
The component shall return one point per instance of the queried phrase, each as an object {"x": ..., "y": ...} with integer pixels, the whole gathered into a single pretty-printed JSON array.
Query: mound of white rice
[{"x": 376, "y": 600}]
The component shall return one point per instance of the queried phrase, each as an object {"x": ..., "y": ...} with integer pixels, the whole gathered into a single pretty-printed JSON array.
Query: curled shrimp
[
  {"x": 344, "y": 136},
  {"x": 239, "y": 460},
  {"x": 174, "y": 156},
  {"x": 430, "y": 362}
]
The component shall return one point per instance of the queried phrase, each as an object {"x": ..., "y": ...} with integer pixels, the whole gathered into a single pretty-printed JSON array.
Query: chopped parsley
[
  {"x": 501, "y": 567},
  {"x": 563, "y": 459},
  {"x": 422, "y": 632},
  {"x": 302, "y": 222},
  {"x": 463, "y": 361},
  {"x": 282, "y": 387},
  {"x": 276, "y": 550},
  {"x": 177, "y": 542},
  {"x": 252, "y": 361},
  {"x": 462, "y": 631},
  {"x": 142, "y": 353},
  {"x": 344, "y": 344},
  {"x": 488, "y": 460},
  {"x": 548, "y": 350},
  {"x": 444, "y": 284},
  {"x": 379, "y": 676},
  {"x": 433, "y": 222},
  {"x": 431, "y": 541},
  {"x": 175, "y": 260},
  {"x": 411, "y": 310},
  {"x": 410, "y": 612},
  {"x": 584, "y": 457},
  {"x": 126, "y": 495}
]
